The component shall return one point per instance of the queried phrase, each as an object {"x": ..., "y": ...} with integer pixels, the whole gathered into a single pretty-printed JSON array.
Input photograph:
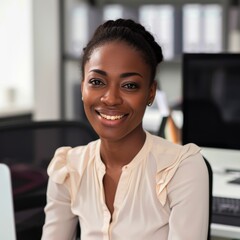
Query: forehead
[{"x": 117, "y": 55}]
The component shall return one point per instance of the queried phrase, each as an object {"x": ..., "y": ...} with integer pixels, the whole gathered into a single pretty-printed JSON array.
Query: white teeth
[{"x": 111, "y": 117}]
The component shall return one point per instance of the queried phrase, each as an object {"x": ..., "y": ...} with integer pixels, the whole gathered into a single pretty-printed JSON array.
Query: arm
[
  {"x": 60, "y": 222},
  {"x": 188, "y": 195}
]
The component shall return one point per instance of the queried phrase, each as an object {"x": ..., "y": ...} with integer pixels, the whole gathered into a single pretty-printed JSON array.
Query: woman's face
[{"x": 116, "y": 89}]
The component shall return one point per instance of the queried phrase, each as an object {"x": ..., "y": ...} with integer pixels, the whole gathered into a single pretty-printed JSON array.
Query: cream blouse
[{"x": 162, "y": 194}]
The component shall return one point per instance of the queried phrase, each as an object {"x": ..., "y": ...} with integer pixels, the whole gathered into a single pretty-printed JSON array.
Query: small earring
[
  {"x": 149, "y": 104},
  {"x": 82, "y": 98}
]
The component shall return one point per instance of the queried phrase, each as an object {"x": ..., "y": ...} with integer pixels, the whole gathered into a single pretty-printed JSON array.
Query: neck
[{"x": 116, "y": 154}]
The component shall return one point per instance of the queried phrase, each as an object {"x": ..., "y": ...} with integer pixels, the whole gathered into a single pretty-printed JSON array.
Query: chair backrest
[
  {"x": 7, "y": 221},
  {"x": 35, "y": 142},
  {"x": 27, "y": 149},
  {"x": 210, "y": 174}
]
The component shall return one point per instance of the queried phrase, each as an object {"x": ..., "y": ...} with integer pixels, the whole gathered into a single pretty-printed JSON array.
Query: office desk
[
  {"x": 13, "y": 114},
  {"x": 226, "y": 231},
  {"x": 222, "y": 160}
]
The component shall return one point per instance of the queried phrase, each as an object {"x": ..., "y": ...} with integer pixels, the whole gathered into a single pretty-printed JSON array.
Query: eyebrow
[{"x": 123, "y": 75}]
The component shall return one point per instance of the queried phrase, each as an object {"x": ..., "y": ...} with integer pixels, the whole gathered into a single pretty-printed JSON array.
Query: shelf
[
  {"x": 139, "y": 2},
  {"x": 169, "y": 74},
  {"x": 15, "y": 111}
]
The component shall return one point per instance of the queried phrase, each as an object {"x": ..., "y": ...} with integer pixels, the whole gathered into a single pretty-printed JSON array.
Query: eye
[
  {"x": 130, "y": 86},
  {"x": 96, "y": 82}
]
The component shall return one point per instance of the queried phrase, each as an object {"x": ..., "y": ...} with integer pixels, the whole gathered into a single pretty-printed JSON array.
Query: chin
[{"x": 110, "y": 135}]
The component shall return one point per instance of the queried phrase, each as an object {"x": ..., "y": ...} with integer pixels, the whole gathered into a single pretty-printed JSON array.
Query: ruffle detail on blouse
[
  {"x": 165, "y": 174},
  {"x": 58, "y": 168},
  {"x": 63, "y": 168}
]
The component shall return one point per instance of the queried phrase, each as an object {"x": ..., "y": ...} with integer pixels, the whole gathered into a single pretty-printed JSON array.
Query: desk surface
[
  {"x": 14, "y": 111},
  {"x": 222, "y": 160},
  {"x": 219, "y": 230}
]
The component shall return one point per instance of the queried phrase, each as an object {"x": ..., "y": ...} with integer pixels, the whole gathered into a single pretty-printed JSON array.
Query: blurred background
[{"x": 41, "y": 45}]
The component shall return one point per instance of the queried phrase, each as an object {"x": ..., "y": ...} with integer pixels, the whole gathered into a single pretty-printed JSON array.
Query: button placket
[{"x": 121, "y": 189}]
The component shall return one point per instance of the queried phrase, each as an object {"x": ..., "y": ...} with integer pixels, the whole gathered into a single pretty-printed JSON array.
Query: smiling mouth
[{"x": 112, "y": 118}]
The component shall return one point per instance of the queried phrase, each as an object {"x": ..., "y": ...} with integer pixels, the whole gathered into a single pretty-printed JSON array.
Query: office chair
[
  {"x": 210, "y": 174},
  {"x": 27, "y": 149}
]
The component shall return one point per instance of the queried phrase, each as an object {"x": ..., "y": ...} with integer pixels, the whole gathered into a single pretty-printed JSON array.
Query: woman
[{"x": 128, "y": 184}]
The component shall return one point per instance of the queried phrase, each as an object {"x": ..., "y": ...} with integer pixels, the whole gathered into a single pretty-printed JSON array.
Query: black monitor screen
[{"x": 211, "y": 100}]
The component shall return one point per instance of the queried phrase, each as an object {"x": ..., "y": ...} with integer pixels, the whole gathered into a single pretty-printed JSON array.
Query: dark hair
[{"x": 130, "y": 32}]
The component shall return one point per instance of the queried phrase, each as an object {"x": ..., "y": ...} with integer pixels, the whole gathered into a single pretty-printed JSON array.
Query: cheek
[
  {"x": 87, "y": 94},
  {"x": 86, "y": 98},
  {"x": 138, "y": 103},
  {"x": 88, "y": 101},
  {"x": 84, "y": 90}
]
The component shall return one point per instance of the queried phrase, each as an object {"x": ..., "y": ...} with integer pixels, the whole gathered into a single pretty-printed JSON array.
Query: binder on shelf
[
  {"x": 115, "y": 11},
  {"x": 84, "y": 19},
  {"x": 112, "y": 12},
  {"x": 159, "y": 20},
  {"x": 234, "y": 28},
  {"x": 212, "y": 28},
  {"x": 192, "y": 37},
  {"x": 202, "y": 28},
  {"x": 79, "y": 28}
]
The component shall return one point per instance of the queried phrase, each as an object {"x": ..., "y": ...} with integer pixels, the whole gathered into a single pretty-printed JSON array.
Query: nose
[{"x": 112, "y": 97}]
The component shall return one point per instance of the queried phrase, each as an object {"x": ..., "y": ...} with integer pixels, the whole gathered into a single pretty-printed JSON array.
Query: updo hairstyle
[{"x": 130, "y": 32}]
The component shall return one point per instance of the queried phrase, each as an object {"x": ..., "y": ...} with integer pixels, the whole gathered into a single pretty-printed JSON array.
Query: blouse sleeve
[
  {"x": 60, "y": 222},
  {"x": 189, "y": 201}
]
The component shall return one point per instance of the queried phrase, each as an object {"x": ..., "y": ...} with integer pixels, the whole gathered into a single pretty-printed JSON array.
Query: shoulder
[
  {"x": 67, "y": 160},
  {"x": 167, "y": 153},
  {"x": 174, "y": 161}
]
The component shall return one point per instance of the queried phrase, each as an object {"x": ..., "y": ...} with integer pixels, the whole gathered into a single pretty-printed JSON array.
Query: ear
[{"x": 152, "y": 91}]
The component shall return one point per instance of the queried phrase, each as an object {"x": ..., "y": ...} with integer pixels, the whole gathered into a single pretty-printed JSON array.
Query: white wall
[
  {"x": 46, "y": 59},
  {"x": 16, "y": 55}
]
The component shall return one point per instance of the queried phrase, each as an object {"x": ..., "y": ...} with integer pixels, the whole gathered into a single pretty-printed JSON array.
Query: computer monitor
[{"x": 211, "y": 99}]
